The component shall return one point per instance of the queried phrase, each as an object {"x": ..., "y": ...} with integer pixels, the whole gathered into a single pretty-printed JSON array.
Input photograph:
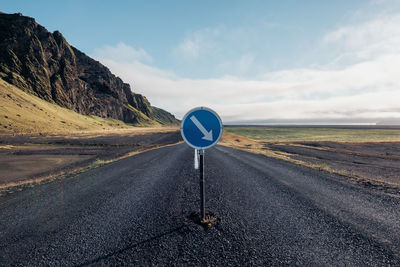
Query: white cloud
[
  {"x": 122, "y": 53},
  {"x": 370, "y": 39},
  {"x": 197, "y": 44},
  {"x": 244, "y": 64},
  {"x": 365, "y": 89},
  {"x": 189, "y": 48}
]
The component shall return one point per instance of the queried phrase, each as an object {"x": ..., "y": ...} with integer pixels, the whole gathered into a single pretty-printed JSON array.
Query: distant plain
[
  {"x": 367, "y": 155},
  {"x": 333, "y": 133}
]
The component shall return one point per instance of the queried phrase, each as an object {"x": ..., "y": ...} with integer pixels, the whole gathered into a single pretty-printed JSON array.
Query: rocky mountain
[{"x": 45, "y": 65}]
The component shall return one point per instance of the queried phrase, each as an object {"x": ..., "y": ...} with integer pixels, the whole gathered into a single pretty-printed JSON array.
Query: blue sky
[
  {"x": 259, "y": 61},
  {"x": 274, "y": 32}
]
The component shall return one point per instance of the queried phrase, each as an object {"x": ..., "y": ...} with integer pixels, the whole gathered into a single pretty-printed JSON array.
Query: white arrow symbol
[{"x": 207, "y": 135}]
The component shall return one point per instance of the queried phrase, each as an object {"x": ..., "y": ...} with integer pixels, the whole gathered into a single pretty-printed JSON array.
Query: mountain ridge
[{"x": 44, "y": 64}]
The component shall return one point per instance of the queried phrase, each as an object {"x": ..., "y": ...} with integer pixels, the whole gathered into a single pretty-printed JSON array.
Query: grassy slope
[
  {"x": 164, "y": 117},
  {"x": 142, "y": 118},
  {"x": 22, "y": 113},
  {"x": 289, "y": 134}
]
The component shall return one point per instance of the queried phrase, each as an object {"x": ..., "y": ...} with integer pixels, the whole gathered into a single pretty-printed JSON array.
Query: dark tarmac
[{"x": 137, "y": 211}]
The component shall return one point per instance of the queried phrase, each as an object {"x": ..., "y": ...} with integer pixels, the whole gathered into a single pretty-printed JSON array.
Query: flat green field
[{"x": 291, "y": 134}]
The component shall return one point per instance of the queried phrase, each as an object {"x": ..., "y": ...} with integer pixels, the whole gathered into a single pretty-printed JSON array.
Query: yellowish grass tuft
[{"x": 209, "y": 220}]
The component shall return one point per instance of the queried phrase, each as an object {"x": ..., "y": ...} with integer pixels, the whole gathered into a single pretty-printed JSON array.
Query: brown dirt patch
[
  {"x": 374, "y": 164},
  {"x": 15, "y": 168},
  {"x": 30, "y": 158},
  {"x": 373, "y": 161}
]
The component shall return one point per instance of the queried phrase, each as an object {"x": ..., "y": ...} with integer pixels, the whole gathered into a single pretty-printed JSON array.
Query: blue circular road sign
[{"x": 201, "y": 128}]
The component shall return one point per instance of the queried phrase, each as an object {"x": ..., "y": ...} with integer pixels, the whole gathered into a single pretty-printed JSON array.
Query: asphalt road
[{"x": 137, "y": 212}]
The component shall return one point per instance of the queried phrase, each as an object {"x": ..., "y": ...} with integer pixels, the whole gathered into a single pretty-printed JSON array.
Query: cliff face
[{"x": 44, "y": 64}]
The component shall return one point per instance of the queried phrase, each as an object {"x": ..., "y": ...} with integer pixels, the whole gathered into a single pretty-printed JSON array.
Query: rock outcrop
[{"x": 44, "y": 64}]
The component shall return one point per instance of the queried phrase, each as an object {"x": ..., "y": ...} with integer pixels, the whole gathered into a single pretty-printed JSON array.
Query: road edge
[
  {"x": 390, "y": 189},
  {"x": 10, "y": 188}
]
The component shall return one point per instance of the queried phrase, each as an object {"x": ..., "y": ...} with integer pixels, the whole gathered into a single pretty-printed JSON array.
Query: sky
[{"x": 259, "y": 62}]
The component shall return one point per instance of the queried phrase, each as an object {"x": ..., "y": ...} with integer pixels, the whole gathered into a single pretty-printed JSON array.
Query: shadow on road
[{"x": 119, "y": 251}]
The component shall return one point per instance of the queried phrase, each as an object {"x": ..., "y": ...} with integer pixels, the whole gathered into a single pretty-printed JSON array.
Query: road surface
[{"x": 136, "y": 211}]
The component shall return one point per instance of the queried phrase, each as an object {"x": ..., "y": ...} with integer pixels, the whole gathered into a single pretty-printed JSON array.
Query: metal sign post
[
  {"x": 201, "y": 128},
  {"x": 202, "y": 187}
]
